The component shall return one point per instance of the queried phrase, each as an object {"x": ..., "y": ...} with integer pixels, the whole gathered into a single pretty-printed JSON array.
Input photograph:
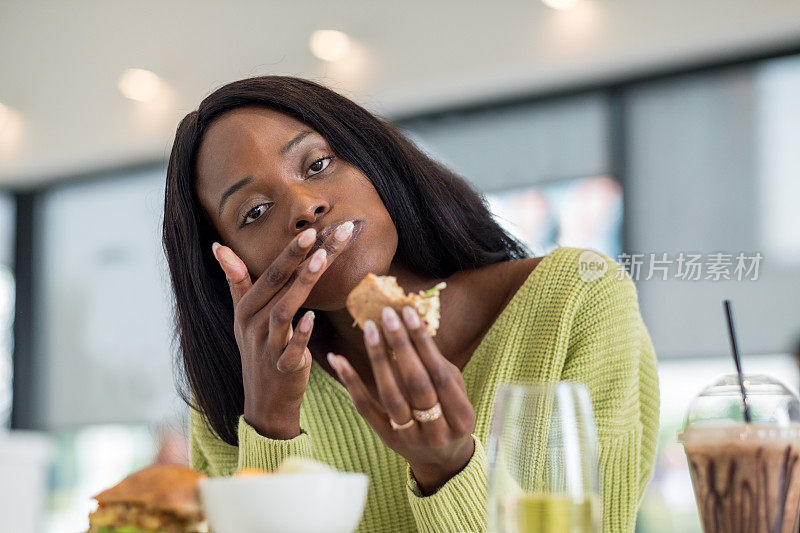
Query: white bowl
[{"x": 285, "y": 502}]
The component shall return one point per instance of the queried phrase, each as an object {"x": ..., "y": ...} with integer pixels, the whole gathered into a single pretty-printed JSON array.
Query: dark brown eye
[
  {"x": 320, "y": 164},
  {"x": 254, "y": 213}
]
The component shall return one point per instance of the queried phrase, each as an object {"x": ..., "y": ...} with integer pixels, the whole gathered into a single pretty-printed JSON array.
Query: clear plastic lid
[{"x": 770, "y": 402}]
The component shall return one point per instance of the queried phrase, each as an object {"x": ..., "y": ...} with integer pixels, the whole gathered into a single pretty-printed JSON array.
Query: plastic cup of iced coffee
[{"x": 746, "y": 476}]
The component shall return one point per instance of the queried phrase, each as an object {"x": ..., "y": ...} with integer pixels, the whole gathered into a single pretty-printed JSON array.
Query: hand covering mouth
[{"x": 322, "y": 235}]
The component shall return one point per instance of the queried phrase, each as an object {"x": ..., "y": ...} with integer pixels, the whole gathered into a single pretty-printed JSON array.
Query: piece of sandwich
[
  {"x": 367, "y": 300},
  {"x": 161, "y": 498},
  {"x": 293, "y": 464}
]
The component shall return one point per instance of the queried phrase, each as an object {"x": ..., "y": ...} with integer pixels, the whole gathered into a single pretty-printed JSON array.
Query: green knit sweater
[{"x": 556, "y": 327}]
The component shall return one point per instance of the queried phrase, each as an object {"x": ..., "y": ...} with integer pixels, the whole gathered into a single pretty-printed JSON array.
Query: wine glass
[{"x": 542, "y": 460}]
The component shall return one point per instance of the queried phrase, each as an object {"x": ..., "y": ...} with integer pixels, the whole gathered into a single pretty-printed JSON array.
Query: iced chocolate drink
[{"x": 746, "y": 478}]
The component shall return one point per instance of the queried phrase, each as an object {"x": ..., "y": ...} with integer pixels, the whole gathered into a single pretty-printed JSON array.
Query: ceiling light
[
  {"x": 140, "y": 85},
  {"x": 11, "y": 126},
  {"x": 330, "y": 45},
  {"x": 561, "y": 5}
]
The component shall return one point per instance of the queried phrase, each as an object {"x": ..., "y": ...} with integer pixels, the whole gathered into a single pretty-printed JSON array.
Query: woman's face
[{"x": 264, "y": 177}]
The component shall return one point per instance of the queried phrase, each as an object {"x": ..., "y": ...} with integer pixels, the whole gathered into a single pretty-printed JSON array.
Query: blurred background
[{"x": 664, "y": 134}]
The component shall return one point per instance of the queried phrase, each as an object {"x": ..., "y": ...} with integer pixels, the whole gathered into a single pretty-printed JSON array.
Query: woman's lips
[{"x": 357, "y": 226}]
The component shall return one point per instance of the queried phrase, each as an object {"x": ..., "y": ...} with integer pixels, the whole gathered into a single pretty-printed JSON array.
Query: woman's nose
[{"x": 307, "y": 212}]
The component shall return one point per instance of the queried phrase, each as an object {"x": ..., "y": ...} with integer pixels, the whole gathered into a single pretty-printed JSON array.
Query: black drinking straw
[{"x": 737, "y": 360}]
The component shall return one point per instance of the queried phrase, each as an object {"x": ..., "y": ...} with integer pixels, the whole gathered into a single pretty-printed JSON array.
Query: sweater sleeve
[
  {"x": 459, "y": 504},
  {"x": 258, "y": 451},
  {"x": 611, "y": 352},
  {"x": 214, "y": 457}
]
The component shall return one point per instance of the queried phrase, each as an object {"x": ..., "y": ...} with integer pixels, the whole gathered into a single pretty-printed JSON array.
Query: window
[
  {"x": 105, "y": 324},
  {"x": 7, "y": 296},
  {"x": 583, "y": 212}
]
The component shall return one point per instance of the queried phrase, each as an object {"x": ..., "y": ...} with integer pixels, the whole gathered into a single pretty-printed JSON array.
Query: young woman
[{"x": 281, "y": 196}]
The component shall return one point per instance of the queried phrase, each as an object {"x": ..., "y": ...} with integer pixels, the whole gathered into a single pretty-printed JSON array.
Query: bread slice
[{"x": 367, "y": 300}]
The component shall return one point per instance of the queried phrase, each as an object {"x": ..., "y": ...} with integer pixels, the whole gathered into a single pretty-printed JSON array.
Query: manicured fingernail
[
  {"x": 344, "y": 231},
  {"x": 227, "y": 256},
  {"x": 317, "y": 260},
  {"x": 307, "y": 237},
  {"x": 371, "y": 332},
  {"x": 306, "y": 322},
  {"x": 214, "y": 248},
  {"x": 332, "y": 361},
  {"x": 411, "y": 317},
  {"x": 391, "y": 319}
]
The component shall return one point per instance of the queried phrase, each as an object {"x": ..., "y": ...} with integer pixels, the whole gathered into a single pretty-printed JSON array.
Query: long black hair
[{"x": 443, "y": 225}]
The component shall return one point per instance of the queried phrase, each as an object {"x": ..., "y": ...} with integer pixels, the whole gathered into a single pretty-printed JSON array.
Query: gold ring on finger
[
  {"x": 396, "y": 426},
  {"x": 428, "y": 415}
]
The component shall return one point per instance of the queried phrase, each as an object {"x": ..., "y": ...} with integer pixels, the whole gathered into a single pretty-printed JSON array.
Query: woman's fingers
[
  {"x": 422, "y": 393},
  {"x": 277, "y": 274},
  {"x": 446, "y": 378},
  {"x": 367, "y": 406},
  {"x": 235, "y": 271},
  {"x": 294, "y": 356},
  {"x": 272, "y": 279},
  {"x": 391, "y": 395},
  {"x": 279, "y": 316}
]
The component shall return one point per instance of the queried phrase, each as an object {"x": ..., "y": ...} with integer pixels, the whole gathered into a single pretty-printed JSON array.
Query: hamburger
[
  {"x": 367, "y": 300},
  {"x": 161, "y": 498}
]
